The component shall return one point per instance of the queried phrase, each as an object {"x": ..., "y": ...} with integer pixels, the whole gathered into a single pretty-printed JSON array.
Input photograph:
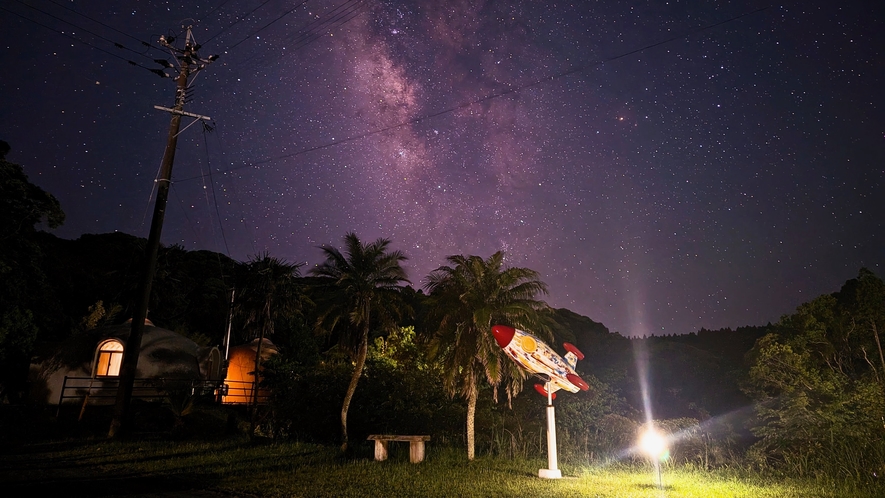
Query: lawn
[{"x": 240, "y": 467}]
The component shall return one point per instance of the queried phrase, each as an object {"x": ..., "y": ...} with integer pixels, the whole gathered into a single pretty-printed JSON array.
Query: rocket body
[{"x": 536, "y": 356}]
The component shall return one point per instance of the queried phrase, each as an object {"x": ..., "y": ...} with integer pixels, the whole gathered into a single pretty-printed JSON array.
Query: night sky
[{"x": 665, "y": 166}]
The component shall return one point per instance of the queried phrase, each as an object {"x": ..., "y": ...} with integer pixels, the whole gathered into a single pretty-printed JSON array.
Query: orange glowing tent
[{"x": 240, "y": 379}]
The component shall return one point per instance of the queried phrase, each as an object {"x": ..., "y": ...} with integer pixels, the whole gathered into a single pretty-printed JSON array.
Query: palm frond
[{"x": 468, "y": 296}]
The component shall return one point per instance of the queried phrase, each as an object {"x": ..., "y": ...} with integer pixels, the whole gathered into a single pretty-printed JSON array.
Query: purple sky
[{"x": 663, "y": 165}]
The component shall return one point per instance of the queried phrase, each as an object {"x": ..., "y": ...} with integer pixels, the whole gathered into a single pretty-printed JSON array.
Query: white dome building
[{"x": 86, "y": 367}]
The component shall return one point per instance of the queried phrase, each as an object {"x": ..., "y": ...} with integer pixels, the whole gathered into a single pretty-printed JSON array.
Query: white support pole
[{"x": 552, "y": 472}]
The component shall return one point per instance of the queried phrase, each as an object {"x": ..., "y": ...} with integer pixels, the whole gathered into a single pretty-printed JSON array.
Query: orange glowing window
[{"x": 110, "y": 355}]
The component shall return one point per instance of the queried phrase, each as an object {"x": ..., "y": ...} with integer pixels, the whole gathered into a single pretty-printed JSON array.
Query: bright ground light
[{"x": 652, "y": 443}]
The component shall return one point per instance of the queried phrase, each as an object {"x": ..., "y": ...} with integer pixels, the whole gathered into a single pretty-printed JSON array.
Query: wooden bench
[{"x": 416, "y": 446}]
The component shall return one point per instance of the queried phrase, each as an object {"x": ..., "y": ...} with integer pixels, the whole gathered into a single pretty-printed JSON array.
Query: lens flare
[{"x": 653, "y": 444}]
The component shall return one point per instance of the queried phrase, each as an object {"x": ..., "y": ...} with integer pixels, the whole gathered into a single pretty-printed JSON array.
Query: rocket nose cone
[{"x": 503, "y": 334}]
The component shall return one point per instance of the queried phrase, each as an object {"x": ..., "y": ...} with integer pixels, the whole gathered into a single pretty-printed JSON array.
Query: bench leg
[
  {"x": 380, "y": 450},
  {"x": 416, "y": 451}
]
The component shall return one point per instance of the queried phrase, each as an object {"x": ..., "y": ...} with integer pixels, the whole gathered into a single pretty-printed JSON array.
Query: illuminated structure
[
  {"x": 86, "y": 366},
  {"x": 240, "y": 382}
]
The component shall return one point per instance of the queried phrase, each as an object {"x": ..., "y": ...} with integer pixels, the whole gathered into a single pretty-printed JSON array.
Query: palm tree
[
  {"x": 468, "y": 297},
  {"x": 268, "y": 287},
  {"x": 363, "y": 285}
]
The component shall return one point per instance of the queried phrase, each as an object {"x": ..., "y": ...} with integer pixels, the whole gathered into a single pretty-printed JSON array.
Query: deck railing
[{"x": 103, "y": 390}]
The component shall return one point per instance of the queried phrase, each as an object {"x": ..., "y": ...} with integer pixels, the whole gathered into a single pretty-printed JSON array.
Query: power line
[
  {"x": 338, "y": 16},
  {"x": 222, "y": 4},
  {"x": 155, "y": 71},
  {"x": 245, "y": 16},
  {"x": 259, "y": 30},
  {"x": 342, "y": 15},
  {"x": 214, "y": 195},
  {"x": 118, "y": 45},
  {"x": 206, "y": 130},
  {"x": 142, "y": 42},
  {"x": 490, "y": 96},
  {"x": 233, "y": 192}
]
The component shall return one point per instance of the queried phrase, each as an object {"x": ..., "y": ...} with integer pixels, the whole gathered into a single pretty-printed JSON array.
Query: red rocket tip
[{"x": 503, "y": 334}]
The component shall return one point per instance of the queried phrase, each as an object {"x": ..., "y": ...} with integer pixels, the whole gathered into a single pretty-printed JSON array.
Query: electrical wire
[
  {"x": 233, "y": 190},
  {"x": 75, "y": 26},
  {"x": 207, "y": 129},
  {"x": 259, "y": 30},
  {"x": 154, "y": 186},
  {"x": 312, "y": 31},
  {"x": 154, "y": 71},
  {"x": 222, "y": 4},
  {"x": 245, "y": 16},
  {"x": 338, "y": 17},
  {"x": 336, "y": 14},
  {"x": 214, "y": 195},
  {"x": 144, "y": 43},
  {"x": 490, "y": 96}
]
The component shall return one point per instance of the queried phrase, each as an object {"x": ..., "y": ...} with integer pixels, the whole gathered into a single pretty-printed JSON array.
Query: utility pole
[{"x": 189, "y": 63}]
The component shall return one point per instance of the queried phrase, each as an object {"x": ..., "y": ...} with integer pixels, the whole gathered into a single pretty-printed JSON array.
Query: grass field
[{"x": 238, "y": 467}]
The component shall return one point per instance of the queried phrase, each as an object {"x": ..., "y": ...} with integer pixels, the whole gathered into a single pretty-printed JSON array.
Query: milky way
[{"x": 665, "y": 166}]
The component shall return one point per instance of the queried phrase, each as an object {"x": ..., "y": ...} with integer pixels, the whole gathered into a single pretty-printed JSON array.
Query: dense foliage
[
  {"x": 26, "y": 307},
  {"x": 818, "y": 381}
]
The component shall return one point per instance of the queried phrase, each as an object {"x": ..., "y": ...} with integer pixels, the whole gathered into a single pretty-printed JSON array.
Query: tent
[{"x": 240, "y": 379}]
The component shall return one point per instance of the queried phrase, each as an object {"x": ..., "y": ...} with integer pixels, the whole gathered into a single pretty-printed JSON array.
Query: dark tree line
[{"x": 26, "y": 305}]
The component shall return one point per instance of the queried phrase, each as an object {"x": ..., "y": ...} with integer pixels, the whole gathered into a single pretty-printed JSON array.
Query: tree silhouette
[
  {"x": 468, "y": 297},
  {"x": 361, "y": 289},
  {"x": 268, "y": 287},
  {"x": 24, "y": 292}
]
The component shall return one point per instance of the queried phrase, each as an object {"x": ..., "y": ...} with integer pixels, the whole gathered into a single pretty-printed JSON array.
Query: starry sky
[{"x": 664, "y": 165}]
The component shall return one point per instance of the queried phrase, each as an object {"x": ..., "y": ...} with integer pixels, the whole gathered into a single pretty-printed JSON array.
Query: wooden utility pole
[{"x": 189, "y": 63}]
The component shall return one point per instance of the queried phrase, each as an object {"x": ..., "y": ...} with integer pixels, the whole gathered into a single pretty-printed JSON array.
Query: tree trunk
[
  {"x": 878, "y": 345},
  {"x": 268, "y": 324},
  {"x": 351, "y": 388},
  {"x": 881, "y": 356},
  {"x": 471, "y": 425}
]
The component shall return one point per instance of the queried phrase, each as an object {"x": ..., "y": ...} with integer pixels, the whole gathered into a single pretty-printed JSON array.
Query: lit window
[{"x": 110, "y": 355}]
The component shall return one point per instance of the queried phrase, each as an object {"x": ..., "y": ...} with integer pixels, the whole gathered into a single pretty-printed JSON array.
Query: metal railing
[
  {"x": 239, "y": 392},
  {"x": 103, "y": 390}
]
